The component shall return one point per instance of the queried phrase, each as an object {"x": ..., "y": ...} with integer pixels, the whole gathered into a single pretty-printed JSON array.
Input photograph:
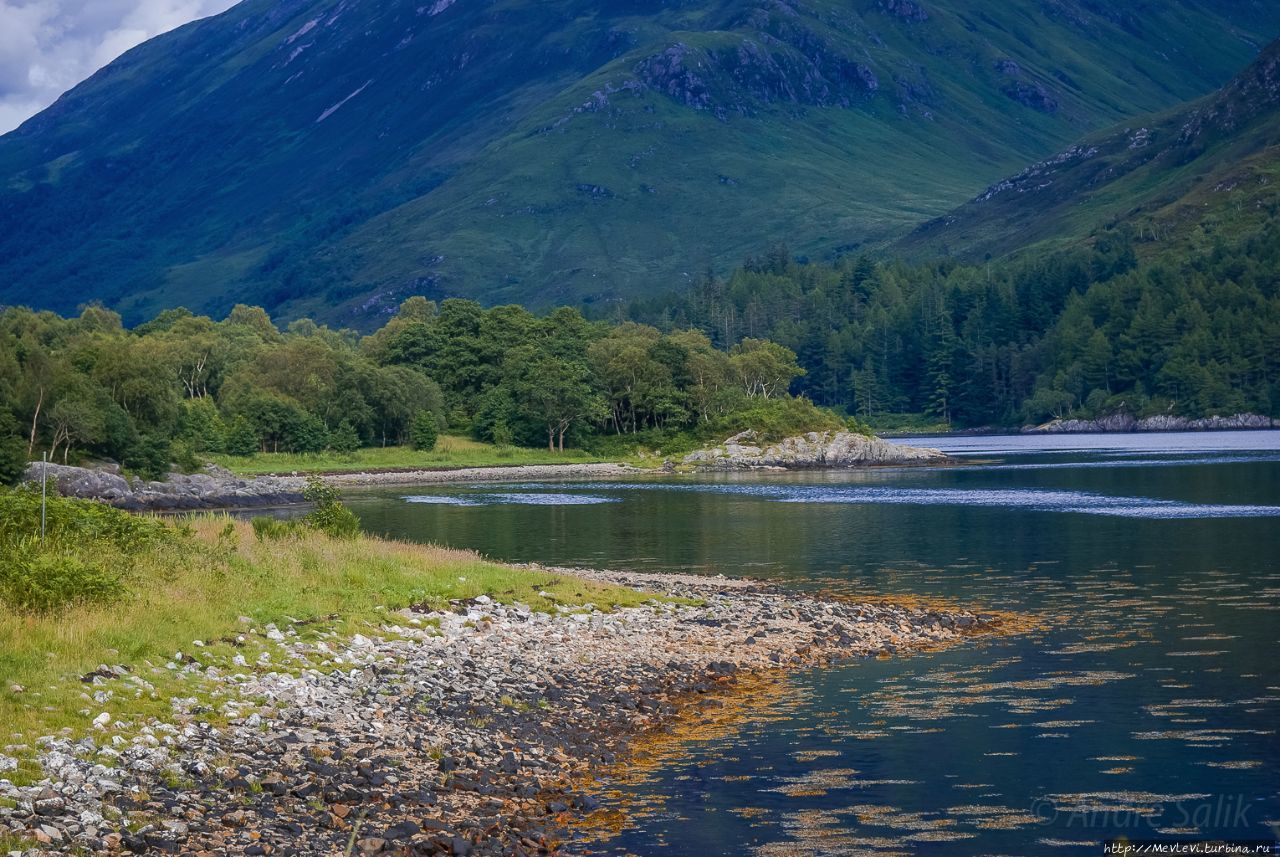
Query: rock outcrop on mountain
[
  {"x": 1157, "y": 177},
  {"x": 815, "y": 450}
]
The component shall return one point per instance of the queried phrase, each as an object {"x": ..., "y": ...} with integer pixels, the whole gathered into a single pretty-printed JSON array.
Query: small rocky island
[{"x": 815, "y": 450}]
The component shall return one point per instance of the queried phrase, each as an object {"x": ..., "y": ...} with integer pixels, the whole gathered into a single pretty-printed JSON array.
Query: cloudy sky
[{"x": 48, "y": 46}]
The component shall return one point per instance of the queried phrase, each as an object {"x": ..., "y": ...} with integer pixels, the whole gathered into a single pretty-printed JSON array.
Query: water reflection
[{"x": 1145, "y": 703}]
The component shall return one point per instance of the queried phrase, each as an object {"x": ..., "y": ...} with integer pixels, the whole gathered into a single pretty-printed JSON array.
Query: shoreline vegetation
[
  {"x": 229, "y": 687},
  {"x": 457, "y": 385},
  {"x": 447, "y": 385},
  {"x": 106, "y": 583},
  {"x": 451, "y": 452}
]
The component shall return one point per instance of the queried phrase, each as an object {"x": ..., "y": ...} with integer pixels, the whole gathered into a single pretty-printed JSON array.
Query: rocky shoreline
[
  {"x": 218, "y": 488},
  {"x": 1119, "y": 423},
  {"x": 466, "y": 732}
]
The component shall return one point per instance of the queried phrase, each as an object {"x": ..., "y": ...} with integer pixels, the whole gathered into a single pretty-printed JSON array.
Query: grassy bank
[
  {"x": 155, "y": 587},
  {"x": 451, "y": 452},
  {"x": 887, "y": 425}
]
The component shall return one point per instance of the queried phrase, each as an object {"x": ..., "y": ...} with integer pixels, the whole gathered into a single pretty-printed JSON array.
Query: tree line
[
  {"x": 1076, "y": 333},
  {"x": 183, "y": 385}
]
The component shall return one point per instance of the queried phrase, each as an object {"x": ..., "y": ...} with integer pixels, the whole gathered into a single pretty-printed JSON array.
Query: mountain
[
  {"x": 328, "y": 157},
  {"x": 1209, "y": 169}
]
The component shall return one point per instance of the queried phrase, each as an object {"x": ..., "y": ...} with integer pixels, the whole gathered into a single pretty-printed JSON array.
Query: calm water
[{"x": 1146, "y": 705}]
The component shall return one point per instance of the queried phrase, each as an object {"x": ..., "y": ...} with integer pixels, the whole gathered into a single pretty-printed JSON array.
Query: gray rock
[
  {"x": 1124, "y": 422},
  {"x": 210, "y": 490},
  {"x": 812, "y": 450}
]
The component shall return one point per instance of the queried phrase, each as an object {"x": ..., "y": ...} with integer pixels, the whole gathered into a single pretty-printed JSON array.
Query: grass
[
  {"x": 198, "y": 585},
  {"x": 451, "y": 452},
  {"x": 887, "y": 425}
]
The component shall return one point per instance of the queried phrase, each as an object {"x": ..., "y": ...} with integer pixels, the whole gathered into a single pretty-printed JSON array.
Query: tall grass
[{"x": 197, "y": 579}]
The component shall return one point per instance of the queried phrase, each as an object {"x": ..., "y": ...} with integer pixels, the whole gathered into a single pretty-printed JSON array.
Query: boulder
[
  {"x": 809, "y": 451},
  {"x": 82, "y": 482},
  {"x": 215, "y": 488}
]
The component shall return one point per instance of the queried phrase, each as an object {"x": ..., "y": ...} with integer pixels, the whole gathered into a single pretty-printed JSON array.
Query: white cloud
[{"x": 48, "y": 46}]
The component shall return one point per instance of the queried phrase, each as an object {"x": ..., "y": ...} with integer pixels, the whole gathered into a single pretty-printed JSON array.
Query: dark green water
[{"x": 1148, "y": 705}]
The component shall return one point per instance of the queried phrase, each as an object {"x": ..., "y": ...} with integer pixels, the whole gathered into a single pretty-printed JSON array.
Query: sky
[{"x": 48, "y": 46}]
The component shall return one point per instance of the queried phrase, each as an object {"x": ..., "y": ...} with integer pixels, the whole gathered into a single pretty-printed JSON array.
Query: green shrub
[
  {"x": 200, "y": 426},
  {"x": 184, "y": 457},
  {"x": 343, "y": 439},
  {"x": 425, "y": 431},
  {"x": 87, "y": 554},
  {"x": 149, "y": 457},
  {"x": 329, "y": 515},
  {"x": 857, "y": 426},
  {"x": 39, "y": 580},
  {"x": 13, "y": 459},
  {"x": 309, "y": 434},
  {"x": 273, "y": 529},
  {"x": 241, "y": 439},
  {"x": 502, "y": 434},
  {"x": 70, "y": 521},
  {"x": 775, "y": 419}
]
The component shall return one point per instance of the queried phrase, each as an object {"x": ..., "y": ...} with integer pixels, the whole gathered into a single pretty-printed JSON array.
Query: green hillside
[
  {"x": 1193, "y": 175},
  {"x": 329, "y": 158},
  {"x": 1138, "y": 271}
]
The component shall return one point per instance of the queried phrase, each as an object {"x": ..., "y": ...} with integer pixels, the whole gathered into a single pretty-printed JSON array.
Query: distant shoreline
[{"x": 1122, "y": 424}]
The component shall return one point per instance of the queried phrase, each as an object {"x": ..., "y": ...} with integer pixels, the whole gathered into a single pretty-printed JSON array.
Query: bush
[
  {"x": 37, "y": 580},
  {"x": 200, "y": 426},
  {"x": 857, "y": 426},
  {"x": 309, "y": 435},
  {"x": 149, "y": 457},
  {"x": 425, "y": 431},
  {"x": 13, "y": 459},
  {"x": 86, "y": 556},
  {"x": 329, "y": 515},
  {"x": 343, "y": 439},
  {"x": 73, "y": 521},
  {"x": 502, "y": 434},
  {"x": 241, "y": 439},
  {"x": 775, "y": 419},
  {"x": 184, "y": 458}
]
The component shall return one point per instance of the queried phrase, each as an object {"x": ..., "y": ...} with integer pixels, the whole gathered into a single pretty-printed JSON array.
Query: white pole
[{"x": 44, "y": 489}]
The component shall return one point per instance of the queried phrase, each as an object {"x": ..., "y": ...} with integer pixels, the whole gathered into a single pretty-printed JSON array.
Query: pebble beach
[{"x": 470, "y": 731}]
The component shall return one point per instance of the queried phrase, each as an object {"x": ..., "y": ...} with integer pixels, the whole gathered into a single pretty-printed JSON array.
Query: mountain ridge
[{"x": 328, "y": 157}]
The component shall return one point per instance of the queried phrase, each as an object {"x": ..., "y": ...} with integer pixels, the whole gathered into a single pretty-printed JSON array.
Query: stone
[
  {"x": 51, "y": 805},
  {"x": 444, "y": 738},
  {"x": 813, "y": 450}
]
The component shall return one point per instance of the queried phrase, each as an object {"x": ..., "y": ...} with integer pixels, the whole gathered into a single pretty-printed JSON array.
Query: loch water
[{"x": 1145, "y": 703}]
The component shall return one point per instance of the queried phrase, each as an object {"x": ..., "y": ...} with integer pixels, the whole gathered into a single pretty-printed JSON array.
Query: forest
[
  {"x": 780, "y": 345},
  {"x": 182, "y": 386},
  {"x": 1075, "y": 333}
]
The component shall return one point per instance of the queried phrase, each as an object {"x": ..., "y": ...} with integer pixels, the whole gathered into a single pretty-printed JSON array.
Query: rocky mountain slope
[
  {"x": 331, "y": 156},
  {"x": 1210, "y": 167}
]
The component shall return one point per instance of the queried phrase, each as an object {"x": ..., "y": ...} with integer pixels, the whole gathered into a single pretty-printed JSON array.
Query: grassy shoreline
[
  {"x": 452, "y": 452},
  {"x": 217, "y": 583}
]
